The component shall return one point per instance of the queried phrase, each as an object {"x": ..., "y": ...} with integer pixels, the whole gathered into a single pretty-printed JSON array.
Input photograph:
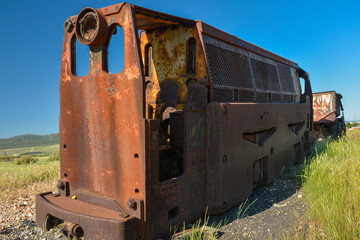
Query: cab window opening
[
  {"x": 148, "y": 59},
  {"x": 191, "y": 55},
  {"x": 81, "y": 58},
  {"x": 114, "y": 61}
]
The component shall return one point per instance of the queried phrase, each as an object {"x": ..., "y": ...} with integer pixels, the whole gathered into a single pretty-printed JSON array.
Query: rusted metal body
[
  {"x": 328, "y": 115},
  {"x": 195, "y": 120}
]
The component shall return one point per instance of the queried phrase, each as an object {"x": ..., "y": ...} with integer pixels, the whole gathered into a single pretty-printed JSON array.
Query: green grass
[
  {"x": 14, "y": 177},
  {"x": 202, "y": 230},
  {"x": 332, "y": 186},
  {"x": 244, "y": 207},
  {"x": 199, "y": 230}
]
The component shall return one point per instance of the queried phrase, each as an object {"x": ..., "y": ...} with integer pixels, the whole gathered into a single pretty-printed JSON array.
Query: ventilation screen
[
  {"x": 246, "y": 96},
  {"x": 238, "y": 75},
  {"x": 261, "y": 97},
  {"x": 287, "y": 98},
  {"x": 222, "y": 95},
  {"x": 265, "y": 76},
  {"x": 275, "y": 97},
  {"x": 285, "y": 78},
  {"x": 228, "y": 68}
]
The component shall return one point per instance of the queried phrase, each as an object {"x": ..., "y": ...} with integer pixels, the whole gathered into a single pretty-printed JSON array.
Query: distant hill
[{"x": 29, "y": 140}]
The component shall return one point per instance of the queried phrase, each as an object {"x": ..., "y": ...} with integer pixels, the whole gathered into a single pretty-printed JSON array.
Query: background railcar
[{"x": 329, "y": 120}]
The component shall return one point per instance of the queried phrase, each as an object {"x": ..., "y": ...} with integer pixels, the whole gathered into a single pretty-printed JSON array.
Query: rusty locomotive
[{"x": 195, "y": 120}]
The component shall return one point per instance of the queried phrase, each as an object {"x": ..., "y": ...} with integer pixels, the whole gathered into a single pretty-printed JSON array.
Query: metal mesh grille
[
  {"x": 246, "y": 96},
  {"x": 228, "y": 68},
  {"x": 222, "y": 95},
  {"x": 286, "y": 81},
  {"x": 276, "y": 97},
  {"x": 265, "y": 76},
  {"x": 261, "y": 97},
  {"x": 241, "y": 76},
  {"x": 287, "y": 98}
]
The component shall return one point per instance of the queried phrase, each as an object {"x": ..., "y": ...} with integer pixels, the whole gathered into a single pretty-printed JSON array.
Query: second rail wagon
[{"x": 329, "y": 117}]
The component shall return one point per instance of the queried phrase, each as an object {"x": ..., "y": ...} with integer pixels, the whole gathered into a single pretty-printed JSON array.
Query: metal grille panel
[
  {"x": 228, "y": 68},
  {"x": 265, "y": 76},
  {"x": 261, "y": 97},
  {"x": 222, "y": 95},
  {"x": 238, "y": 75},
  {"x": 276, "y": 97},
  {"x": 287, "y": 98},
  {"x": 246, "y": 96},
  {"x": 286, "y": 80}
]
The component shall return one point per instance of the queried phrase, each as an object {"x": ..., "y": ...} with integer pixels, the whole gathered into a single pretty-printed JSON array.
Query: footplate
[{"x": 95, "y": 222}]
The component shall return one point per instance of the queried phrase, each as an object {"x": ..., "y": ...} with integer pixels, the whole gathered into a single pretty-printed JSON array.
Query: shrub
[
  {"x": 25, "y": 160},
  {"x": 3, "y": 158},
  {"x": 55, "y": 155}
]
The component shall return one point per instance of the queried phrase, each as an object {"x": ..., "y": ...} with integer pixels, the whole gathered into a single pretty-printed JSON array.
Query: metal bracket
[
  {"x": 63, "y": 187},
  {"x": 135, "y": 207}
]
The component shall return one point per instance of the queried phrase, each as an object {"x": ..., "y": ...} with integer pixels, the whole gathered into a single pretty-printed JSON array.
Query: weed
[
  {"x": 55, "y": 155},
  {"x": 244, "y": 207},
  {"x": 198, "y": 231}
]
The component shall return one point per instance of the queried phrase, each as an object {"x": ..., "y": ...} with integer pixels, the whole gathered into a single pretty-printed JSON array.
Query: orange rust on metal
[
  {"x": 167, "y": 82},
  {"x": 323, "y": 104},
  {"x": 327, "y": 110},
  {"x": 195, "y": 120}
]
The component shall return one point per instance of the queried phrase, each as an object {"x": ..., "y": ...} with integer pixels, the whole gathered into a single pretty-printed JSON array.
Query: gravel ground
[
  {"x": 275, "y": 214},
  {"x": 17, "y": 219}
]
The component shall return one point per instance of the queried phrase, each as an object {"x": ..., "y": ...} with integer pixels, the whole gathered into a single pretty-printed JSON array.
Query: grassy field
[
  {"x": 22, "y": 179},
  {"x": 47, "y": 150},
  {"x": 332, "y": 185}
]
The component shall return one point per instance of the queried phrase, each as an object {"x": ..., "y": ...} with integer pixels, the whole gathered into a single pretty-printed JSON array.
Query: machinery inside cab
[{"x": 194, "y": 120}]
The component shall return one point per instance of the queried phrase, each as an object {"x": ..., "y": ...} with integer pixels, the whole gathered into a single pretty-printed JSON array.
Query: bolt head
[
  {"x": 132, "y": 204},
  {"x": 61, "y": 185},
  {"x": 68, "y": 25}
]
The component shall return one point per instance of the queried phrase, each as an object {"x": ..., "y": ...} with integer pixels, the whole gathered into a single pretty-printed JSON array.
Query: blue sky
[{"x": 323, "y": 37}]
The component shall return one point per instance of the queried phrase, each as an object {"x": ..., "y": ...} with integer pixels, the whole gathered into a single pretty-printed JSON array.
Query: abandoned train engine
[{"x": 196, "y": 119}]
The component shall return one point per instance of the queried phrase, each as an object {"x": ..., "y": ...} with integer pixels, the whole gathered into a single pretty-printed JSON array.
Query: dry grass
[
  {"x": 332, "y": 188},
  {"x": 18, "y": 179}
]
